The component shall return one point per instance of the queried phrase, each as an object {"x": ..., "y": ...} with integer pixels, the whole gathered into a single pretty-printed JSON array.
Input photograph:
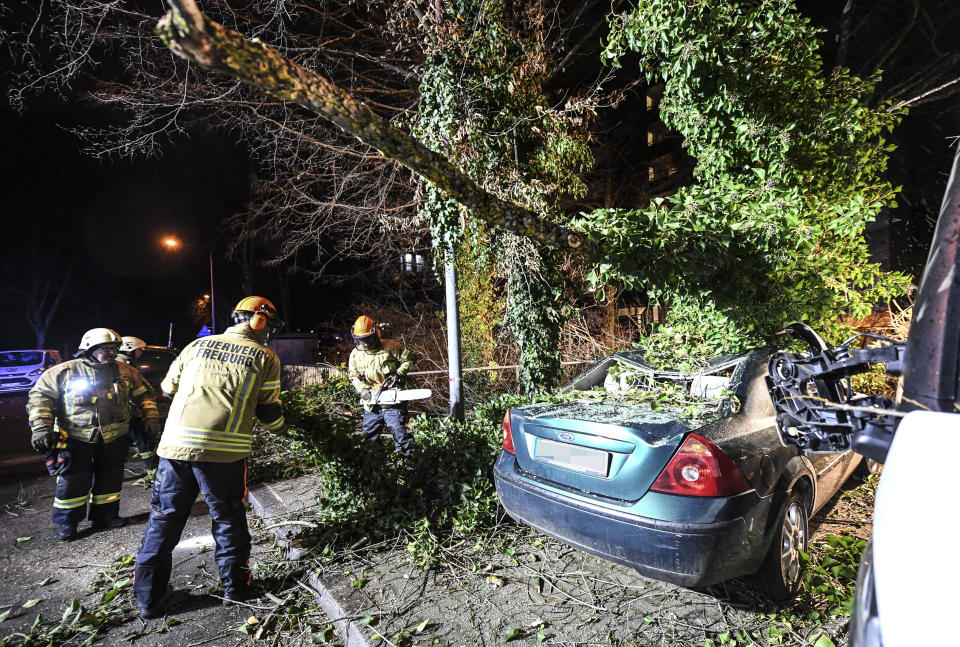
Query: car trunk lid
[{"x": 612, "y": 450}]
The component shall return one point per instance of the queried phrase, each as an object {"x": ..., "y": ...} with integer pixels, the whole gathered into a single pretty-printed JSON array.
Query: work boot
[
  {"x": 66, "y": 532},
  {"x": 148, "y": 613},
  {"x": 113, "y": 522},
  {"x": 250, "y": 592}
]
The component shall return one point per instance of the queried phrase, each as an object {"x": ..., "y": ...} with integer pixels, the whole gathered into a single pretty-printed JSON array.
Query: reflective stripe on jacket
[
  {"x": 82, "y": 398},
  {"x": 368, "y": 368},
  {"x": 218, "y": 383}
]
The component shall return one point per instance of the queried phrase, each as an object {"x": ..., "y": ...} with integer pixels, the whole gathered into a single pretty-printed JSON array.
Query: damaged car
[{"x": 678, "y": 474}]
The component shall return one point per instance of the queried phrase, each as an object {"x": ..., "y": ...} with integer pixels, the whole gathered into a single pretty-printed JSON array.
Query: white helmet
[
  {"x": 97, "y": 337},
  {"x": 132, "y": 344}
]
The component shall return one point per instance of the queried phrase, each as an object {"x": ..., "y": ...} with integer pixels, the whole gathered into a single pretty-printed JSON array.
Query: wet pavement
[
  {"x": 42, "y": 576},
  {"x": 17, "y": 458}
]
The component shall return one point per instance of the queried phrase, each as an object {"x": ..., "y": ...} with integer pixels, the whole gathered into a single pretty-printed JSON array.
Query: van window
[{"x": 12, "y": 358}]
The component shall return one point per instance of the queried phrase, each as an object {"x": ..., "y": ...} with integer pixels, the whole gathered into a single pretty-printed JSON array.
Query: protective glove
[
  {"x": 366, "y": 395},
  {"x": 43, "y": 439},
  {"x": 153, "y": 429}
]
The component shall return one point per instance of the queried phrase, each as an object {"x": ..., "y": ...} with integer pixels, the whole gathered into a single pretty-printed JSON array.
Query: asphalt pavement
[
  {"x": 17, "y": 458},
  {"x": 42, "y": 576}
]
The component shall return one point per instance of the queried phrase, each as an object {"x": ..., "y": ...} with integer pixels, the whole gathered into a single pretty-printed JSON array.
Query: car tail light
[
  {"x": 700, "y": 468},
  {"x": 508, "y": 434}
]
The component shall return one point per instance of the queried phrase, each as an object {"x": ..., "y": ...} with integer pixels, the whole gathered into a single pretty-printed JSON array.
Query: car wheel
[
  {"x": 868, "y": 467},
  {"x": 780, "y": 573}
]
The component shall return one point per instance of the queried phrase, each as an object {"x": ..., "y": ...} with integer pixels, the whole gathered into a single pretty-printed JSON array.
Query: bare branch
[{"x": 196, "y": 38}]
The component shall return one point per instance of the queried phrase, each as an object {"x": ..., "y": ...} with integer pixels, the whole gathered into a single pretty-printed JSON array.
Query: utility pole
[
  {"x": 455, "y": 370},
  {"x": 213, "y": 303}
]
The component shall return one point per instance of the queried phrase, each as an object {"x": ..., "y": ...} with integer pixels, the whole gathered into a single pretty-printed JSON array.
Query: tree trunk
[{"x": 193, "y": 36}]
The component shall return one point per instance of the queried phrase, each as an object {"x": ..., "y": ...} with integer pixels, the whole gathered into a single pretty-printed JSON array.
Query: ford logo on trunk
[{"x": 565, "y": 436}]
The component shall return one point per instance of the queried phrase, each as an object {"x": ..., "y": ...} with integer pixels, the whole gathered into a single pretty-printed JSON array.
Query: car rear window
[{"x": 12, "y": 358}]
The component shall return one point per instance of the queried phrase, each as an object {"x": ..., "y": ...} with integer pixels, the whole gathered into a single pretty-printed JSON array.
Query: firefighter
[
  {"x": 79, "y": 413},
  {"x": 218, "y": 383},
  {"x": 131, "y": 349},
  {"x": 375, "y": 364}
]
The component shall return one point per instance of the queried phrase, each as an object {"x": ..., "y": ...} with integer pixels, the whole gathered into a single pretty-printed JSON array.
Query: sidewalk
[{"x": 42, "y": 568}]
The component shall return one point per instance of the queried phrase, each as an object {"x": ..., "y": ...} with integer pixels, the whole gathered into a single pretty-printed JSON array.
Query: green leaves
[
  {"x": 512, "y": 633},
  {"x": 789, "y": 167}
]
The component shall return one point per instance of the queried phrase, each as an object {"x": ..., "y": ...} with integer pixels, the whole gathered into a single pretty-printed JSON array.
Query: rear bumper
[{"x": 688, "y": 554}]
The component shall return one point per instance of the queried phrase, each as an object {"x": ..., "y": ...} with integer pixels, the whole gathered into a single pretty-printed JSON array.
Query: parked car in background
[
  {"x": 694, "y": 489},
  {"x": 154, "y": 364},
  {"x": 20, "y": 369}
]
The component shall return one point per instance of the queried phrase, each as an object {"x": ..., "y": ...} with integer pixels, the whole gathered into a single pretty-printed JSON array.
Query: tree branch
[{"x": 196, "y": 38}]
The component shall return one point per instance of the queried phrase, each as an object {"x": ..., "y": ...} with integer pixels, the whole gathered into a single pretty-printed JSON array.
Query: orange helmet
[
  {"x": 259, "y": 312},
  {"x": 364, "y": 333}
]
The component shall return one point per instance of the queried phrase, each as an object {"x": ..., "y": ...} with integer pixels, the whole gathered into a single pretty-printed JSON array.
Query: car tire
[
  {"x": 868, "y": 467},
  {"x": 781, "y": 571}
]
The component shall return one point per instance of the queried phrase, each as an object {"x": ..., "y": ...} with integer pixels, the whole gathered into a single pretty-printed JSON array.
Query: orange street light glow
[{"x": 171, "y": 242}]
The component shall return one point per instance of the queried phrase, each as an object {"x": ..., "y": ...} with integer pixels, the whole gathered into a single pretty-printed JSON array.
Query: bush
[{"x": 445, "y": 489}]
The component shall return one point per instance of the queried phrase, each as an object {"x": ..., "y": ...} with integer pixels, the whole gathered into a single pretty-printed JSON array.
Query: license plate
[{"x": 575, "y": 457}]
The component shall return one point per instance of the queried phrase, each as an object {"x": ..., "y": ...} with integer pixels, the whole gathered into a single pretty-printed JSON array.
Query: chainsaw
[
  {"x": 393, "y": 396},
  {"x": 388, "y": 394}
]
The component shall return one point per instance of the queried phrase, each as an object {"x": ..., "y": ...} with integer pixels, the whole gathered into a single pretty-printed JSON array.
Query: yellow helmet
[
  {"x": 97, "y": 337},
  {"x": 259, "y": 312}
]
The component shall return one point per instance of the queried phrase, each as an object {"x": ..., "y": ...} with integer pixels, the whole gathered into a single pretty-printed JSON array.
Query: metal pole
[
  {"x": 213, "y": 303},
  {"x": 453, "y": 340},
  {"x": 170, "y": 336}
]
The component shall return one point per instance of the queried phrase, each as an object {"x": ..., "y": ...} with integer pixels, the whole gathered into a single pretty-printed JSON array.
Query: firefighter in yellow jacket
[
  {"x": 375, "y": 364},
  {"x": 79, "y": 414},
  {"x": 218, "y": 383}
]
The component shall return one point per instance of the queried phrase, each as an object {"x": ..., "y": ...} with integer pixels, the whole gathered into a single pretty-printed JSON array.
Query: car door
[{"x": 831, "y": 470}]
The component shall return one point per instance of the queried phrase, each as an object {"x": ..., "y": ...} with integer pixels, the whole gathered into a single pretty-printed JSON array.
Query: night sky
[{"x": 113, "y": 214}]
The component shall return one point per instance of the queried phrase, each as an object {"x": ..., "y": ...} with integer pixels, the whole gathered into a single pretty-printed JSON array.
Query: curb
[{"x": 270, "y": 506}]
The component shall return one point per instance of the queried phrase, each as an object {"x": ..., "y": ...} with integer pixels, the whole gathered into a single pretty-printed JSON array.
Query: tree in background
[{"x": 786, "y": 156}]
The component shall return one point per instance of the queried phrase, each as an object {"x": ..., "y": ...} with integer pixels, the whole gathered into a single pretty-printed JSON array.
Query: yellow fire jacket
[
  {"x": 218, "y": 383},
  {"x": 368, "y": 368},
  {"x": 83, "y": 398}
]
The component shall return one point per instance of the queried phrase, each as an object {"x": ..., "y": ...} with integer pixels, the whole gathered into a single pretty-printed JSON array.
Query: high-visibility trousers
[
  {"x": 224, "y": 489},
  {"x": 90, "y": 488}
]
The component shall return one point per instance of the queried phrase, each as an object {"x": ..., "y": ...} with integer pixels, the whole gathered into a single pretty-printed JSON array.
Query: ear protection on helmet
[{"x": 258, "y": 321}]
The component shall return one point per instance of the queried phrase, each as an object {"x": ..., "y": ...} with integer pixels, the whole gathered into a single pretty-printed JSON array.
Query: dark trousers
[
  {"x": 395, "y": 419},
  {"x": 224, "y": 488},
  {"x": 92, "y": 481},
  {"x": 144, "y": 445}
]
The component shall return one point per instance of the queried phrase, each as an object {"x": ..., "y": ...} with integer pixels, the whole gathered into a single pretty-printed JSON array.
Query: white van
[{"x": 20, "y": 369}]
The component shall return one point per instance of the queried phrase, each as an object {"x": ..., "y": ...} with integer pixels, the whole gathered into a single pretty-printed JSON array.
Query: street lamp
[{"x": 173, "y": 243}]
